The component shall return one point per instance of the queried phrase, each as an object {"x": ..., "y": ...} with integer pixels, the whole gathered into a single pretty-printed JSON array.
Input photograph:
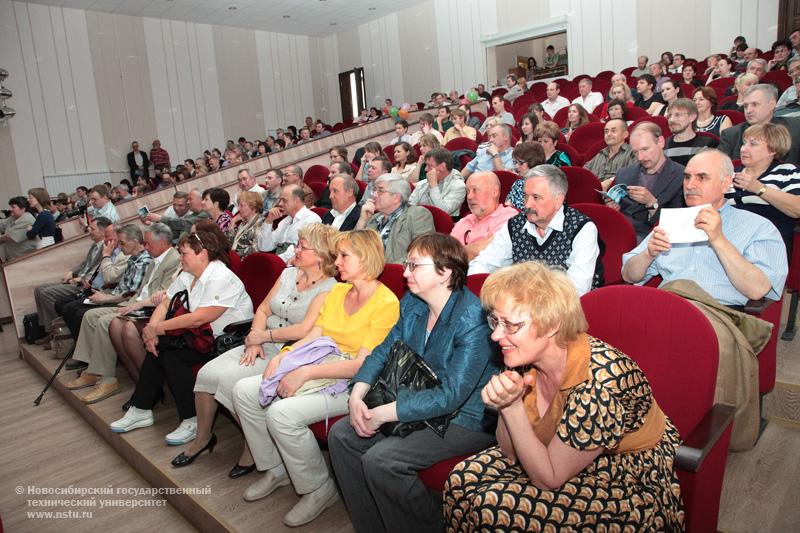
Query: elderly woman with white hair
[{"x": 389, "y": 213}]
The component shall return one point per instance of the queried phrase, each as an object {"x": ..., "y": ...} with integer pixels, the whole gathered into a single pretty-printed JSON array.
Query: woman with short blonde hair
[{"x": 577, "y": 423}]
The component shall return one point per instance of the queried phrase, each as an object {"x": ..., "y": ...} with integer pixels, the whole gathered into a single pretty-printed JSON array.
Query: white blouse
[{"x": 216, "y": 287}]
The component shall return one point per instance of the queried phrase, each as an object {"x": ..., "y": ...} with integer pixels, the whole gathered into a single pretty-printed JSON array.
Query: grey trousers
[
  {"x": 94, "y": 343},
  {"x": 46, "y": 297},
  {"x": 378, "y": 475}
]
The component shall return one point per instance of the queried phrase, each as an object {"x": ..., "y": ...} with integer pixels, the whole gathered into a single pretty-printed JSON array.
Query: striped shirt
[
  {"x": 782, "y": 176},
  {"x": 753, "y": 236}
]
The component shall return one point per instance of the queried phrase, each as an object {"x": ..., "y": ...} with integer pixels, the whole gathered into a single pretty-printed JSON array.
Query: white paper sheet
[{"x": 678, "y": 223}]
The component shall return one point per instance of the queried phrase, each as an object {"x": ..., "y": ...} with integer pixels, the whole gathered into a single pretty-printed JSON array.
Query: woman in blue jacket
[
  {"x": 44, "y": 228},
  {"x": 444, "y": 323}
]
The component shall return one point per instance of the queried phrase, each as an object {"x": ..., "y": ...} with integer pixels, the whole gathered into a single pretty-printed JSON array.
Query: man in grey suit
[
  {"x": 388, "y": 213},
  {"x": 73, "y": 280},
  {"x": 94, "y": 350},
  {"x": 14, "y": 240},
  {"x": 759, "y": 106},
  {"x": 655, "y": 181}
]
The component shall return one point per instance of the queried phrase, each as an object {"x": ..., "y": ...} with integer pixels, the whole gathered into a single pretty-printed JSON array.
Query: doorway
[{"x": 353, "y": 92}]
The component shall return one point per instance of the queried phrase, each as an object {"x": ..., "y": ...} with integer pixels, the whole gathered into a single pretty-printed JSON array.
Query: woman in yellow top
[
  {"x": 357, "y": 314},
  {"x": 460, "y": 127}
]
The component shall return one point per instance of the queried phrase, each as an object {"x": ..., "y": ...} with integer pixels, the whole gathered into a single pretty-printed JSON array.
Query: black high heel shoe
[
  {"x": 239, "y": 470},
  {"x": 186, "y": 460}
]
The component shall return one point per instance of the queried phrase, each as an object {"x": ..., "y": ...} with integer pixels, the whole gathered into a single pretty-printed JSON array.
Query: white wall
[
  {"x": 57, "y": 128},
  {"x": 379, "y": 41},
  {"x": 184, "y": 88},
  {"x": 459, "y": 27}
]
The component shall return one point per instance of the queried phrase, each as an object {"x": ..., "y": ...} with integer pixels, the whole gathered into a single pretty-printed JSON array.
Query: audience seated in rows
[
  {"x": 294, "y": 215},
  {"x": 443, "y": 186},
  {"x": 617, "y": 153},
  {"x": 486, "y": 214},
  {"x": 494, "y": 155},
  {"x": 684, "y": 142},
  {"x": 743, "y": 259},
  {"x": 547, "y": 231}
]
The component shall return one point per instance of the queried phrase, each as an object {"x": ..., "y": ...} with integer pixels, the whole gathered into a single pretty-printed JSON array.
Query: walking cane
[{"x": 38, "y": 399}]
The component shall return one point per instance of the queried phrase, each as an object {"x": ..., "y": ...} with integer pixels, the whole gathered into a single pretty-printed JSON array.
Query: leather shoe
[
  {"x": 86, "y": 380},
  {"x": 239, "y": 470},
  {"x": 101, "y": 391},
  {"x": 74, "y": 364},
  {"x": 186, "y": 460},
  {"x": 312, "y": 504},
  {"x": 264, "y": 486}
]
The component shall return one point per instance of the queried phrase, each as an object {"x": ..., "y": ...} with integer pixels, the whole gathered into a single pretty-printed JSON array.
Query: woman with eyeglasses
[
  {"x": 286, "y": 314},
  {"x": 525, "y": 156},
  {"x": 216, "y": 298},
  {"x": 582, "y": 444},
  {"x": 244, "y": 237},
  {"x": 443, "y": 322},
  {"x": 356, "y": 315}
]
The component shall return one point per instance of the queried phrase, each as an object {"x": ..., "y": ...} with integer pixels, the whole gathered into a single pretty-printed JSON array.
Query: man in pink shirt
[{"x": 486, "y": 217}]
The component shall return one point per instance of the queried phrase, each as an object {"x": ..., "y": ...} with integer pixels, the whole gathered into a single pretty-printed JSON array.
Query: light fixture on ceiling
[
  {"x": 232, "y": 8},
  {"x": 333, "y": 24},
  {"x": 287, "y": 16},
  {"x": 371, "y": 9}
]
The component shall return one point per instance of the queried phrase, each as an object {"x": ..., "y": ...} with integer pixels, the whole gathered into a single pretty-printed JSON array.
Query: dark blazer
[
  {"x": 458, "y": 350},
  {"x": 349, "y": 221},
  {"x": 731, "y": 139},
  {"x": 668, "y": 190},
  {"x": 134, "y": 167}
]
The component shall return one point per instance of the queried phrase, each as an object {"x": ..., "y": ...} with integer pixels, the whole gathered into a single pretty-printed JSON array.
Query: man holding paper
[{"x": 739, "y": 256}]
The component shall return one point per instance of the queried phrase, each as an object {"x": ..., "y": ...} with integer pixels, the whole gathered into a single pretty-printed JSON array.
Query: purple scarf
[{"x": 308, "y": 354}]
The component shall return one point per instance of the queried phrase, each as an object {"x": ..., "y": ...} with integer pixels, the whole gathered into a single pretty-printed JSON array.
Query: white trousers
[{"x": 279, "y": 433}]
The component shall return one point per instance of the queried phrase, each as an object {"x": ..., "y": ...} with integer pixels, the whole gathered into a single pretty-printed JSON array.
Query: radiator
[{"x": 69, "y": 182}]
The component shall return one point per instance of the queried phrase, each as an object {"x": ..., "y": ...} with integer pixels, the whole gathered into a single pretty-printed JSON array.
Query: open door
[{"x": 352, "y": 91}]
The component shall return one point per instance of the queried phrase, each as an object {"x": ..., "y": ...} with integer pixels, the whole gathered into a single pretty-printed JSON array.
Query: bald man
[{"x": 486, "y": 216}]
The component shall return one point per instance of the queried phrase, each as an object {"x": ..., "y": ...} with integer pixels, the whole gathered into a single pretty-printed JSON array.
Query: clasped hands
[{"x": 505, "y": 389}]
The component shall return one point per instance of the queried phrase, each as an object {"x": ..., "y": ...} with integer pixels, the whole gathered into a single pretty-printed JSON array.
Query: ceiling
[{"x": 319, "y": 18}]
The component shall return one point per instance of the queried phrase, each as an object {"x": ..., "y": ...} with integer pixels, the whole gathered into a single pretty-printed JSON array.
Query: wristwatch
[
  {"x": 762, "y": 190},
  {"x": 654, "y": 206}
]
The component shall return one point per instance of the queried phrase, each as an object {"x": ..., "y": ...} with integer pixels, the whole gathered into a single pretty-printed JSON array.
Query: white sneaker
[
  {"x": 134, "y": 418},
  {"x": 185, "y": 432},
  {"x": 266, "y": 484},
  {"x": 312, "y": 504}
]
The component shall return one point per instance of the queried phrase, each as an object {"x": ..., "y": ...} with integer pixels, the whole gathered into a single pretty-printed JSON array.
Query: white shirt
[
  {"x": 137, "y": 157},
  {"x": 338, "y": 218},
  {"x": 591, "y": 101},
  {"x": 286, "y": 232},
  {"x": 581, "y": 262},
  {"x": 448, "y": 195},
  {"x": 551, "y": 108},
  {"x": 255, "y": 188},
  {"x": 108, "y": 211},
  {"x": 216, "y": 287}
]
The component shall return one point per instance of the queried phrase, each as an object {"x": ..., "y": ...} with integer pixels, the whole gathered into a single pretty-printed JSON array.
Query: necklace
[{"x": 312, "y": 283}]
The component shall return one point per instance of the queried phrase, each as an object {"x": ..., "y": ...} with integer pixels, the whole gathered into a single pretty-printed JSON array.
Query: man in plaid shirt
[
  {"x": 159, "y": 157},
  {"x": 131, "y": 242}
]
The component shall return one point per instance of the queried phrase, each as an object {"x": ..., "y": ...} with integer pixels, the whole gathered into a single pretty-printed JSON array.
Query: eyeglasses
[
  {"x": 412, "y": 266},
  {"x": 299, "y": 247},
  {"x": 510, "y": 328},
  {"x": 196, "y": 236}
]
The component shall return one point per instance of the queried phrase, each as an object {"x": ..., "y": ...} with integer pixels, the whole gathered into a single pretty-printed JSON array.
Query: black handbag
[{"x": 405, "y": 368}]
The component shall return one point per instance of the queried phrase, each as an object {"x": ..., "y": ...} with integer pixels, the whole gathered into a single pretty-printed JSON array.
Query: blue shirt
[
  {"x": 755, "y": 237},
  {"x": 458, "y": 350},
  {"x": 483, "y": 161}
]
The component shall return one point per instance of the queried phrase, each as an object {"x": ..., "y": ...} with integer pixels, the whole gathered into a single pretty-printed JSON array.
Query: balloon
[
  {"x": 386, "y": 110},
  {"x": 406, "y": 106},
  {"x": 393, "y": 111},
  {"x": 472, "y": 96},
  {"x": 403, "y": 113}
]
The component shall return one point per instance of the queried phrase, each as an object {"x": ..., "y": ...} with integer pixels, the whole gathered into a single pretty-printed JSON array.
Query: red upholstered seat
[
  {"x": 676, "y": 348},
  {"x": 587, "y": 135},
  {"x": 593, "y": 150},
  {"x": 316, "y": 173},
  {"x": 235, "y": 262},
  {"x": 662, "y": 123},
  {"x": 461, "y": 143},
  {"x": 320, "y": 429},
  {"x": 778, "y": 77},
  {"x": 617, "y": 234},
  {"x": 635, "y": 113},
  {"x": 583, "y": 186},
  {"x": 735, "y": 116},
  {"x": 318, "y": 187},
  {"x": 575, "y": 157},
  {"x": 475, "y": 283},
  {"x": 441, "y": 220},
  {"x": 258, "y": 272},
  {"x": 389, "y": 152},
  {"x": 507, "y": 179},
  {"x": 320, "y": 211},
  {"x": 560, "y": 117}
]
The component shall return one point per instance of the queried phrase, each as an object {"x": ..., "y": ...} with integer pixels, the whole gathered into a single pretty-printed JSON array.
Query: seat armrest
[
  {"x": 242, "y": 326},
  {"x": 756, "y": 307},
  {"x": 698, "y": 445}
]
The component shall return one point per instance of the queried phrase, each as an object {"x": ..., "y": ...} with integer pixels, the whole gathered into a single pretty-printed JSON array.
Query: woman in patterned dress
[{"x": 582, "y": 444}]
